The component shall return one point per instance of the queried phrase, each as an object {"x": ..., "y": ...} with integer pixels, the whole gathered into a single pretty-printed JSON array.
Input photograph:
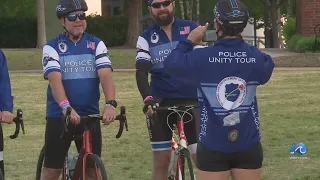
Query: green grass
[
  {"x": 31, "y": 59},
  {"x": 289, "y": 113}
]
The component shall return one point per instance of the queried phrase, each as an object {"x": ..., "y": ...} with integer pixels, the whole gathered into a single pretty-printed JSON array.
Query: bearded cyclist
[
  {"x": 6, "y": 102},
  {"x": 153, "y": 46},
  {"x": 228, "y": 74},
  {"x": 75, "y": 63}
]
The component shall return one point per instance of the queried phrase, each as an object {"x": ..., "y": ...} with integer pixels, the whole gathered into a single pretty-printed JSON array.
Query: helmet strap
[{"x": 69, "y": 34}]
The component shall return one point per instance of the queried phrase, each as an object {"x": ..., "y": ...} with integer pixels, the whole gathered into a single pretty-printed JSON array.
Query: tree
[
  {"x": 13, "y": 8},
  {"x": 133, "y": 10},
  {"x": 192, "y": 7},
  {"x": 41, "y": 39}
]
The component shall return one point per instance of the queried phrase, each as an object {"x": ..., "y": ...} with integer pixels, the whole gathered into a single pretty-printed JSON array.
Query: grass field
[
  {"x": 30, "y": 59},
  {"x": 289, "y": 113}
]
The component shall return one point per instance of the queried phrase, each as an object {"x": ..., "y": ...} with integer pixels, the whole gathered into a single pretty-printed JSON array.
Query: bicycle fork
[{"x": 177, "y": 149}]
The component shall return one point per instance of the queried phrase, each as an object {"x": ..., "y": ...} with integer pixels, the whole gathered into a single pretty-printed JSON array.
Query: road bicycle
[
  {"x": 87, "y": 162},
  {"x": 180, "y": 152}
]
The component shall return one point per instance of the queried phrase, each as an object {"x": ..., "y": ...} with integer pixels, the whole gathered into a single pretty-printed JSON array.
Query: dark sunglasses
[
  {"x": 157, "y": 5},
  {"x": 73, "y": 17}
]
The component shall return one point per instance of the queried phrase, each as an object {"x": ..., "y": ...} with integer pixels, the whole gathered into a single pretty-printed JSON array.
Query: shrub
[
  {"x": 289, "y": 28},
  {"x": 301, "y": 44},
  {"x": 21, "y": 32}
]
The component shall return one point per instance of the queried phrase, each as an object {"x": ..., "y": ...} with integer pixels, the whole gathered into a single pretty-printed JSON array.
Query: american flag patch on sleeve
[{"x": 184, "y": 30}]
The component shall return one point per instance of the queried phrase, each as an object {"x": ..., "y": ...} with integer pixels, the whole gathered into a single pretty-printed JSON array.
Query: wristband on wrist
[
  {"x": 147, "y": 98},
  {"x": 63, "y": 104}
]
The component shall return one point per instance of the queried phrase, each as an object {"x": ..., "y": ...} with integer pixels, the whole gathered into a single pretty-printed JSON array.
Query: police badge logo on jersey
[
  {"x": 63, "y": 47},
  {"x": 233, "y": 135},
  {"x": 231, "y": 92},
  {"x": 154, "y": 38}
]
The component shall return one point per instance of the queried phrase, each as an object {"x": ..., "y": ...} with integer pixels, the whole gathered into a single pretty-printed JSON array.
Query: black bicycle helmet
[
  {"x": 231, "y": 15},
  {"x": 65, "y": 7}
]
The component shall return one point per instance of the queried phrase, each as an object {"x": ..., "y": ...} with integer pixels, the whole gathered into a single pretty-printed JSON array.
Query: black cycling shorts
[
  {"x": 214, "y": 161},
  {"x": 159, "y": 131},
  {"x": 56, "y": 147}
]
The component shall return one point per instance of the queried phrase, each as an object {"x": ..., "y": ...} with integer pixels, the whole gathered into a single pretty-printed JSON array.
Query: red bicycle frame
[
  {"x": 183, "y": 143},
  {"x": 86, "y": 150}
]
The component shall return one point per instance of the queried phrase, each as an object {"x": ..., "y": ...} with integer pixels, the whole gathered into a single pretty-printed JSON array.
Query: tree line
[{"x": 266, "y": 14}]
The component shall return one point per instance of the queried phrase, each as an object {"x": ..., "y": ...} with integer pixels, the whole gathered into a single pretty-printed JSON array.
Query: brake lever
[
  {"x": 66, "y": 120},
  {"x": 123, "y": 121},
  {"x": 18, "y": 121}
]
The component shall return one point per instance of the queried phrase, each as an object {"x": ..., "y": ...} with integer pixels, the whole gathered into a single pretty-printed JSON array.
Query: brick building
[
  {"x": 110, "y": 8},
  {"x": 308, "y": 16}
]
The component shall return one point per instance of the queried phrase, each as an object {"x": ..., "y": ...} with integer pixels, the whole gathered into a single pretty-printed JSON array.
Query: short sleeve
[
  {"x": 143, "y": 54},
  {"x": 102, "y": 56},
  {"x": 50, "y": 60}
]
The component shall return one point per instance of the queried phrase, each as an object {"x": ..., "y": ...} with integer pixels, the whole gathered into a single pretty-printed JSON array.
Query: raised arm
[
  {"x": 266, "y": 68},
  {"x": 181, "y": 61}
]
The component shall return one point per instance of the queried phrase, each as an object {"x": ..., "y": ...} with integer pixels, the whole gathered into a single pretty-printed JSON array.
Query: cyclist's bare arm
[
  {"x": 105, "y": 75},
  {"x": 57, "y": 86},
  {"x": 52, "y": 72},
  {"x": 104, "y": 70}
]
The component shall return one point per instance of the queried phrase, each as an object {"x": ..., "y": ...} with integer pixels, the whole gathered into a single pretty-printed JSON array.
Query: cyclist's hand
[
  {"x": 6, "y": 116},
  {"x": 149, "y": 106},
  {"x": 197, "y": 34},
  {"x": 109, "y": 114},
  {"x": 74, "y": 117},
  {"x": 150, "y": 110}
]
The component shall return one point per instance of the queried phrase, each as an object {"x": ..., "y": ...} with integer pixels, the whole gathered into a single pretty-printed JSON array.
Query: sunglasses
[
  {"x": 73, "y": 17},
  {"x": 157, "y": 5}
]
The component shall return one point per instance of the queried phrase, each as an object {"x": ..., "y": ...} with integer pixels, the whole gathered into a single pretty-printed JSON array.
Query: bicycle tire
[
  {"x": 96, "y": 159},
  {"x": 190, "y": 167},
  {"x": 1, "y": 175},
  {"x": 39, "y": 164},
  {"x": 186, "y": 156}
]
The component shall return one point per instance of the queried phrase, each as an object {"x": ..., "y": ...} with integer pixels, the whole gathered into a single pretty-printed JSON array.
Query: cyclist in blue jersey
[
  {"x": 6, "y": 102},
  {"x": 75, "y": 63},
  {"x": 153, "y": 46},
  {"x": 227, "y": 75}
]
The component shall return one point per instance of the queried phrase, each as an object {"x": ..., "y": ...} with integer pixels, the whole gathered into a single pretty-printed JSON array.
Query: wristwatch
[{"x": 112, "y": 103}]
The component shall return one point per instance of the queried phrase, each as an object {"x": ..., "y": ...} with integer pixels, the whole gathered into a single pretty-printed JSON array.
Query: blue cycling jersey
[
  {"x": 6, "y": 100},
  {"x": 227, "y": 75},
  {"x": 153, "y": 47},
  {"x": 78, "y": 64}
]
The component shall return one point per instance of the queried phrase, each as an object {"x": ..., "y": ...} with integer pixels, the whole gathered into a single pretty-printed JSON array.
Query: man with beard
[
  {"x": 153, "y": 46},
  {"x": 75, "y": 63}
]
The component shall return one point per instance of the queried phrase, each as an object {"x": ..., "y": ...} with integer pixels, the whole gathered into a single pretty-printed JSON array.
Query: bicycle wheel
[
  {"x": 181, "y": 167},
  {"x": 184, "y": 167},
  {"x": 1, "y": 175},
  {"x": 40, "y": 166},
  {"x": 186, "y": 158},
  {"x": 95, "y": 168}
]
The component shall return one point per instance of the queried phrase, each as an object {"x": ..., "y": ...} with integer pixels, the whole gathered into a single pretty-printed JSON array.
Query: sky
[{"x": 94, "y": 6}]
